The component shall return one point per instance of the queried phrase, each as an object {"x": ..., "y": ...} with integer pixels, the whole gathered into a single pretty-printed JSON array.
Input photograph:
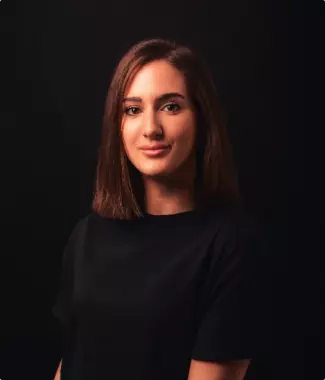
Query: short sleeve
[
  {"x": 236, "y": 319},
  {"x": 63, "y": 306}
]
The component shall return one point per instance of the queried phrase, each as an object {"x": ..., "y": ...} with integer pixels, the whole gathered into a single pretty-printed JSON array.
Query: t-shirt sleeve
[
  {"x": 236, "y": 318},
  {"x": 63, "y": 305}
]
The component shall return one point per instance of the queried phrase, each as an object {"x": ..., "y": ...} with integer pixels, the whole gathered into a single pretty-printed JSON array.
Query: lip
[
  {"x": 154, "y": 147},
  {"x": 156, "y": 152}
]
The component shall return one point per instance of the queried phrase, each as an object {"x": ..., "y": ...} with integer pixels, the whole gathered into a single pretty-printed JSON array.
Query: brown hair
[{"x": 119, "y": 192}]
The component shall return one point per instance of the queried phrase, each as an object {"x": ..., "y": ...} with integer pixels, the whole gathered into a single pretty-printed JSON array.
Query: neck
[{"x": 167, "y": 196}]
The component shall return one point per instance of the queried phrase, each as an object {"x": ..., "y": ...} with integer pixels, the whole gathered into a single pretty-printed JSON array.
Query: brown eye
[
  {"x": 172, "y": 107},
  {"x": 131, "y": 110}
]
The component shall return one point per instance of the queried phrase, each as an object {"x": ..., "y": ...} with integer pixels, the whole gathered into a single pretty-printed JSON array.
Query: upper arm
[
  {"x": 235, "y": 320},
  {"x": 229, "y": 370},
  {"x": 63, "y": 305},
  {"x": 234, "y": 326}
]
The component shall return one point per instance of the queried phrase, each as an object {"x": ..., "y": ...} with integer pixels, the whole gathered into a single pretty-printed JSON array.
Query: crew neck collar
[{"x": 170, "y": 216}]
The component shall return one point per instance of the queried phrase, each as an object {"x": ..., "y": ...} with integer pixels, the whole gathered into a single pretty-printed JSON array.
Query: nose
[{"x": 151, "y": 125}]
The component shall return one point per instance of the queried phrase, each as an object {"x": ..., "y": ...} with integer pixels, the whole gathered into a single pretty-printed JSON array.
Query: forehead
[{"x": 156, "y": 78}]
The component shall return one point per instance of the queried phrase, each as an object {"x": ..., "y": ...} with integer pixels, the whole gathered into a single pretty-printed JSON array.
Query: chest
[{"x": 142, "y": 281}]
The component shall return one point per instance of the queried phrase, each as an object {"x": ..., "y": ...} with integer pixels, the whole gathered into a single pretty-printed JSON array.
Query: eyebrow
[{"x": 163, "y": 97}]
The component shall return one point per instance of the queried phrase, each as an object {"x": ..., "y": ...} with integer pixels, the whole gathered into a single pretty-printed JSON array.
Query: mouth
[{"x": 156, "y": 152}]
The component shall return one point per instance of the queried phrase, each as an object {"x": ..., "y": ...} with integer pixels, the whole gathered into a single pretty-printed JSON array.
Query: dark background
[{"x": 51, "y": 118}]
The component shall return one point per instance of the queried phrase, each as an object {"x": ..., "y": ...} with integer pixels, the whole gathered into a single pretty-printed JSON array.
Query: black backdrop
[{"x": 65, "y": 54}]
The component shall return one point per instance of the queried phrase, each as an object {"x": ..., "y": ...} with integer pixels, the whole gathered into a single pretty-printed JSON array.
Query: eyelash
[{"x": 169, "y": 104}]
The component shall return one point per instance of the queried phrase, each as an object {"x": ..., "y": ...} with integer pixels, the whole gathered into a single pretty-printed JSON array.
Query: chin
[{"x": 155, "y": 171}]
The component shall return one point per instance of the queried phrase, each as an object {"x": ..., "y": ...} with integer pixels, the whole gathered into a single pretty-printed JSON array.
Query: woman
[{"x": 165, "y": 278}]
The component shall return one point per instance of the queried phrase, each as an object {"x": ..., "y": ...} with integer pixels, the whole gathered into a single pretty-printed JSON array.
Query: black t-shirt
[{"x": 139, "y": 299}]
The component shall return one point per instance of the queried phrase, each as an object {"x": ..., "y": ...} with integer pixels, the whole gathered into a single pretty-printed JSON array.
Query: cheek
[
  {"x": 128, "y": 137},
  {"x": 185, "y": 132}
]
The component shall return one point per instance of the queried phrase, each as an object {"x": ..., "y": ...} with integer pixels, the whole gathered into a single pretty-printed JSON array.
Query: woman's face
[{"x": 157, "y": 110}]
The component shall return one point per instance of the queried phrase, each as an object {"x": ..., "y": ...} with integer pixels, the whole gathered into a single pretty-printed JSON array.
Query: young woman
[{"x": 165, "y": 279}]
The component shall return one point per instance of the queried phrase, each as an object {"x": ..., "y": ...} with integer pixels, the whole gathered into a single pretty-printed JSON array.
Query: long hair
[{"x": 119, "y": 191}]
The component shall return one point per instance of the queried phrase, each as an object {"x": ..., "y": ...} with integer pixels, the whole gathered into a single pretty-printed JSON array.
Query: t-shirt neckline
[{"x": 183, "y": 214}]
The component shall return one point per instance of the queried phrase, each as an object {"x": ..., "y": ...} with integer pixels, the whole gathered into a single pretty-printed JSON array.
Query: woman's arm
[
  {"x": 230, "y": 370},
  {"x": 57, "y": 375}
]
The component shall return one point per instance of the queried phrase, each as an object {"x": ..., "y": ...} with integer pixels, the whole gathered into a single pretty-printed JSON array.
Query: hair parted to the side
[{"x": 119, "y": 191}]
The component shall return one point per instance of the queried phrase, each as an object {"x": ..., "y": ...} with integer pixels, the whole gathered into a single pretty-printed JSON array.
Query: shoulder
[
  {"x": 235, "y": 223},
  {"x": 81, "y": 228},
  {"x": 79, "y": 236},
  {"x": 91, "y": 226},
  {"x": 87, "y": 221},
  {"x": 238, "y": 233}
]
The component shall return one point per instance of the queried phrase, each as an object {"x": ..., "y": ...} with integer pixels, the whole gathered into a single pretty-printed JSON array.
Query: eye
[
  {"x": 172, "y": 107},
  {"x": 131, "y": 110}
]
